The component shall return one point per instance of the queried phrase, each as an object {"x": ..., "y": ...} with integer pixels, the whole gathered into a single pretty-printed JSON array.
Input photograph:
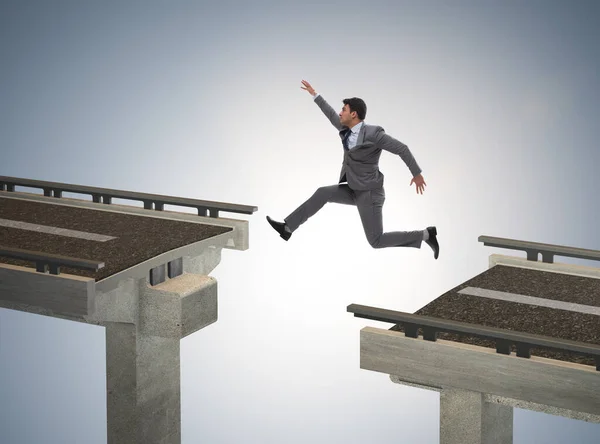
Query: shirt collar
[{"x": 356, "y": 128}]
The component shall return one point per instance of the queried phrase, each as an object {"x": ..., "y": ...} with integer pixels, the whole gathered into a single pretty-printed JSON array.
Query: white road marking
[
  {"x": 530, "y": 300},
  {"x": 54, "y": 230}
]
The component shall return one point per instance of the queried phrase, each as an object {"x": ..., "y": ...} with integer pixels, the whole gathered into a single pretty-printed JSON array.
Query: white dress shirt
[{"x": 355, "y": 129}]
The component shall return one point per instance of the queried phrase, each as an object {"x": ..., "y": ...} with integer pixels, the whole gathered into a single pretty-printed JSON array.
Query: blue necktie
[{"x": 345, "y": 139}]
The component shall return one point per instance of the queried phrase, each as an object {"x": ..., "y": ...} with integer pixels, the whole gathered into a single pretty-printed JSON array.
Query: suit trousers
[{"x": 369, "y": 204}]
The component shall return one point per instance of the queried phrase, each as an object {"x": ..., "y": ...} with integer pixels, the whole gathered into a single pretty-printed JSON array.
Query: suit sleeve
[
  {"x": 329, "y": 112},
  {"x": 394, "y": 146}
]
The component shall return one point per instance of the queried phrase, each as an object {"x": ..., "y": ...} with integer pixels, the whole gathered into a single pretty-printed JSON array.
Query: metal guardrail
[
  {"x": 504, "y": 338},
  {"x": 532, "y": 249},
  {"x": 158, "y": 201},
  {"x": 51, "y": 263},
  {"x": 45, "y": 262}
]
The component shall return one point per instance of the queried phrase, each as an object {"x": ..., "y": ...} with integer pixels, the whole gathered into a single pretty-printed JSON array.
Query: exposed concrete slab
[
  {"x": 556, "y": 267},
  {"x": 113, "y": 299},
  {"x": 448, "y": 364},
  {"x": 119, "y": 304},
  {"x": 203, "y": 264},
  {"x": 62, "y": 293}
]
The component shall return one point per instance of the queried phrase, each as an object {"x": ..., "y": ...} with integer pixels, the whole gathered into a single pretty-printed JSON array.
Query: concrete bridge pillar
[
  {"x": 143, "y": 358},
  {"x": 466, "y": 418}
]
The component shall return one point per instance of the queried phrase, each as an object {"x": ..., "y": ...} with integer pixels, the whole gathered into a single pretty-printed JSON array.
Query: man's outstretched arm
[
  {"x": 394, "y": 146},
  {"x": 333, "y": 117}
]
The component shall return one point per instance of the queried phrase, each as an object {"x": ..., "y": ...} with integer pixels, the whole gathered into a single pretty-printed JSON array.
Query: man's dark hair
[{"x": 358, "y": 105}]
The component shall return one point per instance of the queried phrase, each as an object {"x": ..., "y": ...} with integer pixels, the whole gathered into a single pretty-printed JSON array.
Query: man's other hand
[
  {"x": 419, "y": 183},
  {"x": 308, "y": 88}
]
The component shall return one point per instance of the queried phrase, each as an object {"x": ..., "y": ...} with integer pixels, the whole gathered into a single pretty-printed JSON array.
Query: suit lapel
[{"x": 361, "y": 134}]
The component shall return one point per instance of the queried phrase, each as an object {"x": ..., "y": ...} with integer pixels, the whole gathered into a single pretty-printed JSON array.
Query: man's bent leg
[
  {"x": 335, "y": 193},
  {"x": 370, "y": 205}
]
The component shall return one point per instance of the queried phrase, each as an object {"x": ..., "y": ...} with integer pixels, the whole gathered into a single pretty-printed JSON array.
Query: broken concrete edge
[{"x": 239, "y": 226}]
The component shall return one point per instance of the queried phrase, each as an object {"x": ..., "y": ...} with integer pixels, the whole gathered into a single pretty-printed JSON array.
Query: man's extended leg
[
  {"x": 334, "y": 193},
  {"x": 370, "y": 205},
  {"x": 341, "y": 194}
]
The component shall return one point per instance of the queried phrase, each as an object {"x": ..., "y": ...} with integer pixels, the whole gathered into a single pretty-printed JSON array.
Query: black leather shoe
[
  {"x": 280, "y": 228},
  {"x": 432, "y": 241}
]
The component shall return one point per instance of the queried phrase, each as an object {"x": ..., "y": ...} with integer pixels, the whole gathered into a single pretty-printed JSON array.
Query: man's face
[{"x": 346, "y": 115}]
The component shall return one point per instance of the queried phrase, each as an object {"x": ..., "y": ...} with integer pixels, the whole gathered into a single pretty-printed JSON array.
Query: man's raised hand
[
  {"x": 419, "y": 183},
  {"x": 308, "y": 88}
]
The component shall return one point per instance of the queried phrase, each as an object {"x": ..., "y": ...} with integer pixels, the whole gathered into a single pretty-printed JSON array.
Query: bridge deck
[
  {"x": 119, "y": 240},
  {"x": 531, "y": 301}
]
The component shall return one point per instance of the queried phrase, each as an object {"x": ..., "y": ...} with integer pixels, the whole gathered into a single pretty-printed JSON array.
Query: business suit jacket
[{"x": 360, "y": 166}]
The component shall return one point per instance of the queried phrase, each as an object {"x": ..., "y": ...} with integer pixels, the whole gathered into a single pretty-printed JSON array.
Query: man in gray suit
[{"x": 361, "y": 182}]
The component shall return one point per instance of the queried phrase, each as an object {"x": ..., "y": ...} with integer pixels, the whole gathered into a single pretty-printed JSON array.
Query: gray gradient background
[{"x": 498, "y": 101}]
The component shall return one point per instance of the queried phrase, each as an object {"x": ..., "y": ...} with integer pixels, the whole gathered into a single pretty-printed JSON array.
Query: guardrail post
[
  {"x": 523, "y": 350},
  {"x": 175, "y": 268},
  {"x": 430, "y": 334},
  {"x": 157, "y": 275},
  {"x": 548, "y": 258},
  {"x": 532, "y": 255},
  {"x": 503, "y": 347},
  {"x": 411, "y": 330}
]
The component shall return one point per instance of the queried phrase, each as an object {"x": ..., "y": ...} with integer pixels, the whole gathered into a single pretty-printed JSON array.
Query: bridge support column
[
  {"x": 143, "y": 397},
  {"x": 466, "y": 418},
  {"x": 143, "y": 388}
]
